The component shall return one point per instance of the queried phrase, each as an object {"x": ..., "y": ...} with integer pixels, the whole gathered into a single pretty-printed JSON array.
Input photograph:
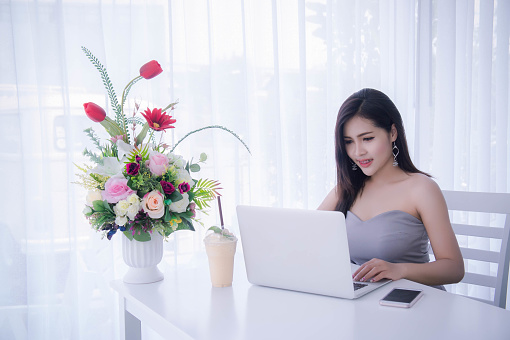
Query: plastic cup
[{"x": 220, "y": 252}]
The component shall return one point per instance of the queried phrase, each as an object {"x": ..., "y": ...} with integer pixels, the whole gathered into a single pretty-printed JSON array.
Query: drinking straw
[{"x": 221, "y": 214}]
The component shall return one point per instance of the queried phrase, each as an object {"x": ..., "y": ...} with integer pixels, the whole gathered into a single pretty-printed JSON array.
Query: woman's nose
[{"x": 359, "y": 149}]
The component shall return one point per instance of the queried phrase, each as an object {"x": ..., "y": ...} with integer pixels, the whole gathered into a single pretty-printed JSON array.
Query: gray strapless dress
[{"x": 393, "y": 236}]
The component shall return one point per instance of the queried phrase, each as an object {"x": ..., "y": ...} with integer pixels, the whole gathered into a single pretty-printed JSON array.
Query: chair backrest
[{"x": 483, "y": 202}]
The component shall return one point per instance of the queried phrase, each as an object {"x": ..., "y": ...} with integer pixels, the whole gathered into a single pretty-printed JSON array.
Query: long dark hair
[{"x": 377, "y": 107}]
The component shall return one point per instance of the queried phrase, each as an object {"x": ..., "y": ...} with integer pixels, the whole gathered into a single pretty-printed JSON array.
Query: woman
[{"x": 392, "y": 209}]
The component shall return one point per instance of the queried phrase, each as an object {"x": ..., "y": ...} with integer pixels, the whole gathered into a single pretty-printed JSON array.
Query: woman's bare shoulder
[{"x": 331, "y": 200}]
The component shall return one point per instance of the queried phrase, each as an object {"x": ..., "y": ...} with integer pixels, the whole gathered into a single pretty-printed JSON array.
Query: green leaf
[
  {"x": 98, "y": 206},
  {"x": 194, "y": 168},
  {"x": 129, "y": 234},
  {"x": 143, "y": 236},
  {"x": 216, "y": 229},
  {"x": 107, "y": 206},
  {"x": 168, "y": 214},
  {"x": 176, "y": 196}
]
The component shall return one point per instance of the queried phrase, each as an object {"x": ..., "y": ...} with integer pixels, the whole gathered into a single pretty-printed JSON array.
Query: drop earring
[
  {"x": 395, "y": 152},
  {"x": 354, "y": 167}
]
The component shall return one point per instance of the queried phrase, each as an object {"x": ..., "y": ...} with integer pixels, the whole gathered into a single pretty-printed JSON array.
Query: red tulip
[
  {"x": 157, "y": 120},
  {"x": 94, "y": 112},
  {"x": 150, "y": 69}
]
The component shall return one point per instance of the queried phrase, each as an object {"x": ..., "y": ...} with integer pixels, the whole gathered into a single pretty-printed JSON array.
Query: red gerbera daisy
[{"x": 157, "y": 120}]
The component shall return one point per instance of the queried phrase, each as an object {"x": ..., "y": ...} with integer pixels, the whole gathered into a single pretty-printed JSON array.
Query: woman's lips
[{"x": 365, "y": 163}]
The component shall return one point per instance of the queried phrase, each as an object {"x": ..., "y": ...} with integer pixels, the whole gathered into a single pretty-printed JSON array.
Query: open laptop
[{"x": 300, "y": 250}]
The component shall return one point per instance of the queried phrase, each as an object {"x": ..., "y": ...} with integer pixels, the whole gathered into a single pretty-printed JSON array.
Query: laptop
[{"x": 300, "y": 250}]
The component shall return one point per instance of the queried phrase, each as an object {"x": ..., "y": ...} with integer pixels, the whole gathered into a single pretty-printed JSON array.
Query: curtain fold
[{"x": 273, "y": 71}]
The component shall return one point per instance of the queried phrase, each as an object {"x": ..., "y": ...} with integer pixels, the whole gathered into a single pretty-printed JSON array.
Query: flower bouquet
[{"x": 136, "y": 185}]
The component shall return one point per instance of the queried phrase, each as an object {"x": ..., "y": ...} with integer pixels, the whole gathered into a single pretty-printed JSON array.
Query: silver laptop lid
[{"x": 296, "y": 249}]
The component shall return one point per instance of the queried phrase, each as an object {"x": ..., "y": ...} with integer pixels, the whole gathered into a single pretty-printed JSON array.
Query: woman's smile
[{"x": 365, "y": 163}]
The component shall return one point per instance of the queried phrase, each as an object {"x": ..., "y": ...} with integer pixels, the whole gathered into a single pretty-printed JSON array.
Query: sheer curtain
[{"x": 275, "y": 72}]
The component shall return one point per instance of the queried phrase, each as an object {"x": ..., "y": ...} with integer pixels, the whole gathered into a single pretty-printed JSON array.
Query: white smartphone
[{"x": 401, "y": 297}]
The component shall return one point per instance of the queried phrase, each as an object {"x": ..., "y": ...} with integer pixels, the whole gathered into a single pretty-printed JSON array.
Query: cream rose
[
  {"x": 133, "y": 199},
  {"x": 184, "y": 176},
  {"x": 133, "y": 210},
  {"x": 121, "y": 220},
  {"x": 153, "y": 204},
  {"x": 181, "y": 205},
  {"x": 93, "y": 195}
]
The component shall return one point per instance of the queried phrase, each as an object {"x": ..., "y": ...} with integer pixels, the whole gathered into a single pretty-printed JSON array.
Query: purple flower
[
  {"x": 132, "y": 168},
  {"x": 138, "y": 159},
  {"x": 184, "y": 187},
  {"x": 168, "y": 188}
]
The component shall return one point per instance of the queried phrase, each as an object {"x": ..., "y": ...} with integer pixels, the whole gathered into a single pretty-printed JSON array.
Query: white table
[{"x": 185, "y": 306}]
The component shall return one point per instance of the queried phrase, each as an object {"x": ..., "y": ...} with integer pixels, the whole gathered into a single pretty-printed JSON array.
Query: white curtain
[{"x": 273, "y": 71}]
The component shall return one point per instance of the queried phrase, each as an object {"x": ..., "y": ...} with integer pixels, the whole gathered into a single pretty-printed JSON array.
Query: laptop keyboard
[{"x": 358, "y": 285}]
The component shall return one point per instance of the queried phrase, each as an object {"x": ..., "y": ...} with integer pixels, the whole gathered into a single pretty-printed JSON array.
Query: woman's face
[{"x": 368, "y": 146}]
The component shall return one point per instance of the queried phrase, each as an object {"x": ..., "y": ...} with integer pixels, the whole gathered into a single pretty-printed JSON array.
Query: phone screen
[{"x": 402, "y": 295}]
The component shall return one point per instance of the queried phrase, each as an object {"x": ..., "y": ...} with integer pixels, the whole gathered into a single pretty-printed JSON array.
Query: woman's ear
[{"x": 393, "y": 133}]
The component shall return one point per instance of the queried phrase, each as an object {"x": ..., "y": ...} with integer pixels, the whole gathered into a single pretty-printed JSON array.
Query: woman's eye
[
  {"x": 347, "y": 142},
  {"x": 367, "y": 139}
]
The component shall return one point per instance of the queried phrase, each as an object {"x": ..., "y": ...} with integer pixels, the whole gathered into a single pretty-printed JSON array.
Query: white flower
[
  {"x": 183, "y": 176},
  {"x": 121, "y": 220},
  {"x": 93, "y": 195},
  {"x": 123, "y": 148},
  {"x": 180, "y": 206},
  {"x": 121, "y": 208},
  {"x": 133, "y": 210},
  {"x": 180, "y": 163},
  {"x": 111, "y": 167},
  {"x": 133, "y": 199}
]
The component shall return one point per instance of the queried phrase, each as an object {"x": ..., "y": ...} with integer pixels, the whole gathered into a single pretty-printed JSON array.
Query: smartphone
[{"x": 401, "y": 297}]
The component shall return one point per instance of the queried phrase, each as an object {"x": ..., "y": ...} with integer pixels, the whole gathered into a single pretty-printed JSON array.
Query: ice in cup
[{"x": 220, "y": 248}]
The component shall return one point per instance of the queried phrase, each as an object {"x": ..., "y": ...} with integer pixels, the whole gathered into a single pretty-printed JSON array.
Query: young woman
[{"x": 392, "y": 209}]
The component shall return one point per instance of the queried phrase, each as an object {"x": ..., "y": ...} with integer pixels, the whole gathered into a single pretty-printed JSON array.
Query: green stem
[
  {"x": 126, "y": 91},
  {"x": 212, "y": 127},
  {"x": 170, "y": 106}
]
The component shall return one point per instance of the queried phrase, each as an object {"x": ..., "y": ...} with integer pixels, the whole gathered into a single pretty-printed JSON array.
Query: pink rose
[
  {"x": 116, "y": 189},
  {"x": 153, "y": 204},
  {"x": 157, "y": 163}
]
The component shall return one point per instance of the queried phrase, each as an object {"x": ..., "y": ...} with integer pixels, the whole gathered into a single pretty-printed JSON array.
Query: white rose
[
  {"x": 121, "y": 208},
  {"x": 121, "y": 220},
  {"x": 93, "y": 195},
  {"x": 180, "y": 206},
  {"x": 133, "y": 199},
  {"x": 133, "y": 210},
  {"x": 184, "y": 176},
  {"x": 180, "y": 163}
]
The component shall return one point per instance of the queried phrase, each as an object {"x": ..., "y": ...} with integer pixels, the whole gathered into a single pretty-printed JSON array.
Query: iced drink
[{"x": 220, "y": 250}]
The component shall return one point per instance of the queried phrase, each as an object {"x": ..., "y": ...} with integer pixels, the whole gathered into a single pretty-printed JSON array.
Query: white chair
[{"x": 482, "y": 202}]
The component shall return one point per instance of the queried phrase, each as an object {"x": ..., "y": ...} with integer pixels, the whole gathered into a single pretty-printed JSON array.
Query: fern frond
[
  {"x": 119, "y": 117},
  {"x": 93, "y": 157},
  {"x": 94, "y": 138},
  {"x": 212, "y": 127},
  {"x": 136, "y": 120}
]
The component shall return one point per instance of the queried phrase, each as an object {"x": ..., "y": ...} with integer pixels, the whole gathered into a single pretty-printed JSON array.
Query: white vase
[{"x": 142, "y": 259}]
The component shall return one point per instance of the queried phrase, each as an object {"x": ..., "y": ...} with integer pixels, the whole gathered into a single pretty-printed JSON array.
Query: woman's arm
[
  {"x": 330, "y": 201},
  {"x": 448, "y": 266}
]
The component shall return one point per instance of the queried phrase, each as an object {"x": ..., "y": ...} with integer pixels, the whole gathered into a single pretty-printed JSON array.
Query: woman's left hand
[{"x": 375, "y": 270}]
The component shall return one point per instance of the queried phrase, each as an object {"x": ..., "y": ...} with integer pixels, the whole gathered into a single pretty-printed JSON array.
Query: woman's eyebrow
[{"x": 361, "y": 134}]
